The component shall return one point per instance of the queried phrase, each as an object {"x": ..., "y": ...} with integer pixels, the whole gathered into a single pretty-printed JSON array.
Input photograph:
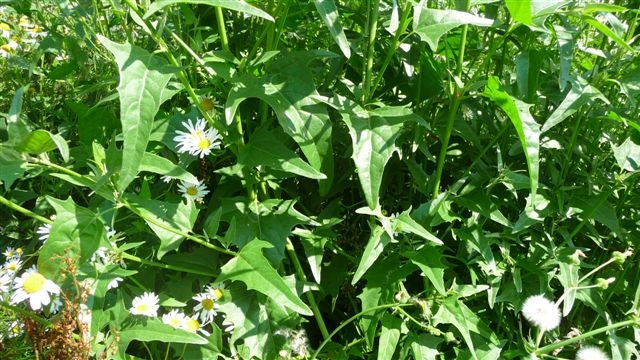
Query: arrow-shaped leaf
[
  {"x": 142, "y": 88},
  {"x": 237, "y": 5},
  {"x": 254, "y": 270}
]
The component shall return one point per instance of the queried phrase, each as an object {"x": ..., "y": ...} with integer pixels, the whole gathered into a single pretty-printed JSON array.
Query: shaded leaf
[
  {"x": 41, "y": 141},
  {"x": 377, "y": 241},
  {"x": 428, "y": 260}
]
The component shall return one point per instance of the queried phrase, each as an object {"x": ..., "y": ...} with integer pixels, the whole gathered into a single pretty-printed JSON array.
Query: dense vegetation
[{"x": 380, "y": 179}]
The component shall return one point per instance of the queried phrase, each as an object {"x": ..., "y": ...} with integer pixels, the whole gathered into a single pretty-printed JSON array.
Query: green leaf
[
  {"x": 41, "y": 141},
  {"x": 162, "y": 166},
  {"x": 455, "y": 312},
  {"x": 313, "y": 245},
  {"x": 373, "y": 135},
  {"x": 526, "y": 127},
  {"x": 265, "y": 149},
  {"x": 288, "y": 89},
  {"x": 627, "y": 155},
  {"x": 377, "y": 241},
  {"x": 428, "y": 260},
  {"x": 75, "y": 234},
  {"x": 533, "y": 12},
  {"x": 405, "y": 223},
  {"x": 154, "y": 330},
  {"x": 581, "y": 93},
  {"x": 608, "y": 33},
  {"x": 431, "y": 24},
  {"x": 167, "y": 220},
  {"x": 329, "y": 14},
  {"x": 252, "y": 322},
  {"x": 142, "y": 88},
  {"x": 254, "y": 270},
  {"x": 389, "y": 336},
  {"x": 424, "y": 346},
  {"x": 236, "y": 5},
  {"x": 12, "y": 166},
  {"x": 16, "y": 128},
  {"x": 568, "y": 276}
]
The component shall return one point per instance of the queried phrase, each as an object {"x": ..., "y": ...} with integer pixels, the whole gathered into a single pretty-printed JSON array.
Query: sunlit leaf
[
  {"x": 627, "y": 155},
  {"x": 154, "y": 330},
  {"x": 527, "y": 128},
  {"x": 389, "y": 336},
  {"x": 431, "y": 24},
  {"x": 163, "y": 166},
  {"x": 265, "y": 149},
  {"x": 428, "y": 260},
  {"x": 41, "y": 141},
  {"x": 329, "y": 14},
  {"x": 424, "y": 346},
  {"x": 75, "y": 234},
  {"x": 142, "y": 88},
  {"x": 253, "y": 269},
  {"x": 581, "y": 93},
  {"x": 236, "y": 5},
  {"x": 377, "y": 241}
]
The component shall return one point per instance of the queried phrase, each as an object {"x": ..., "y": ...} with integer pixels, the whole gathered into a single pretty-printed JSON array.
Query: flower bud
[
  {"x": 620, "y": 257},
  {"x": 603, "y": 284}
]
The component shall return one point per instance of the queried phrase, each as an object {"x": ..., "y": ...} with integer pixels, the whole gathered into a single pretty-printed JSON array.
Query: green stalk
[
  {"x": 222, "y": 30},
  {"x": 163, "y": 226},
  {"x": 549, "y": 348},
  {"x": 353, "y": 318},
  {"x": 26, "y": 313},
  {"x": 456, "y": 95},
  {"x": 163, "y": 266},
  {"x": 312, "y": 301},
  {"x": 373, "y": 27},
  {"x": 404, "y": 23},
  {"x": 13, "y": 206}
]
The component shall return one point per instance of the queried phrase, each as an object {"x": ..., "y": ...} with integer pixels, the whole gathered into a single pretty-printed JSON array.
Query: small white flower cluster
[
  {"x": 199, "y": 141},
  {"x": 30, "y": 286},
  {"x": 204, "y": 311},
  {"x": 18, "y": 34}
]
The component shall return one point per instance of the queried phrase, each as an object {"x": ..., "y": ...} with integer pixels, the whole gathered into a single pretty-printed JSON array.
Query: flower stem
[
  {"x": 224, "y": 42},
  {"x": 164, "y": 266},
  {"x": 13, "y": 206},
  {"x": 373, "y": 27},
  {"x": 312, "y": 301},
  {"x": 557, "y": 345}
]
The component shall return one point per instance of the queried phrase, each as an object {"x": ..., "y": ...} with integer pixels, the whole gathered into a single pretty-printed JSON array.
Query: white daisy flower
[
  {"x": 166, "y": 178},
  {"x": 44, "y": 232},
  {"x": 175, "y": 318},
  {"x": 12, "y": 265},
  {"x": 9, "y": 253},
  {"x": 191, "y": 324},
  {"x": 207, "y": 303},
  {"x": 15, "y": 329},
  {"x": 198, "y": 141},
  {"x": 193, "y": 191},
  {"x": 5, "y": 50},
  {"x": 228, "y": 326},
  {"x": 146, "y": 304},
  {"x": 35, "y": 287},
  {"x": 5, "y": 30},
  {"x": 5, "y": 283},
  {"x": 541, "y": 312}
]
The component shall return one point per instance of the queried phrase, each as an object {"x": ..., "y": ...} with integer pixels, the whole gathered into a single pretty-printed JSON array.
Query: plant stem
[
  {"x": 26, "y": 313},
  {"x": 164, "y": 266},
  {"x": 557, "y": 345},
  {"x": 456, "y": 95},
  {"x": 353, "y": 318},
  {"x": 312, "y": 301},
  {"x": 373, "y": 27},
  {"x": 13, "y": 206},
  {"x": 224, "y": 42}
]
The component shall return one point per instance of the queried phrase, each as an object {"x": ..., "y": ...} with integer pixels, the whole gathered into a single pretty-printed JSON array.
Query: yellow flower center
[
  {"x": 192, "y": 191},
  {"x": 34, "y": 283},
  {"x": 19, "y": 251},
  {"x": 204, "y": 143},
  {"x": 218, "y": 293},
  {"x": 143, "y": 308},
  {"x": 207, "y": 104},
  {"x": 15, "y": 330},
  {"x": 9, "y": 254},
  {"x": 175, "y": 322},
  {"x": 5, "y": 47},
  {"x": 192, "y": 325},
  {"x": 207, "y": 304},
  {"x": 5, "y": 27}
]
